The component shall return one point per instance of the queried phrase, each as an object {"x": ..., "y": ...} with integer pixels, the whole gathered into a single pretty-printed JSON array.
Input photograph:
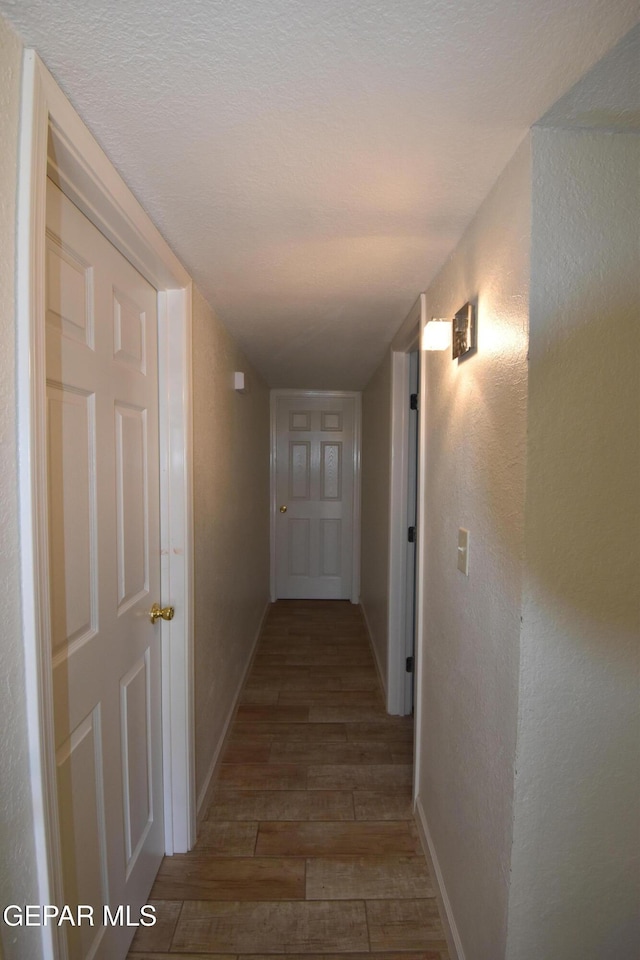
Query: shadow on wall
[{"x": 584, "y": 465}]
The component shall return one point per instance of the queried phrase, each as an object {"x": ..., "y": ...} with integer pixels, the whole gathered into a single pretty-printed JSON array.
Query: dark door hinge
[
  {"x": 409, "y": 664},
  {"x": 413, "y": 401},
  {"x": 411, "y": 534}
]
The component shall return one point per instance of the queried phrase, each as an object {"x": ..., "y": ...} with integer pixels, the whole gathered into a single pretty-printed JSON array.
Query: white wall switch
[{"x": 463, "y": 551}]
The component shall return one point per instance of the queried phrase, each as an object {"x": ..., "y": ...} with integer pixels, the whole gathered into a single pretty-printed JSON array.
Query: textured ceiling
[{"x": 313, "y": 163}]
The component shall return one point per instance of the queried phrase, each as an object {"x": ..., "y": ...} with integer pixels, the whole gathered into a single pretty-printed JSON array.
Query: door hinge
[
  {"x": 411, "y": 534},
  {"x": 409, "y": 664},
  {"x": 413, "y": 401}
]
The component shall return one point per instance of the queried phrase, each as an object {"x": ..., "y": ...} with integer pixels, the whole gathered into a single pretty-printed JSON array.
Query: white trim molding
[
  {"x": 397, "y": 626},
  {"x": 55, "y": 142},
  {"x": 357, "y": 456},
  {"x": 374, "y": 652},
  {"x": 406, "y": 339},
  {"x": 205, "y": 790},
  {"x": 421, "y": 557},
  {"x": 446, "y": 911}
]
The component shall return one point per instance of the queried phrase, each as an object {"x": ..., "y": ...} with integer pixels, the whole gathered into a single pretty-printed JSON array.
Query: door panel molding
[
  {"x": 54, "y": 142},
  {"x": 303, "y": 395}
]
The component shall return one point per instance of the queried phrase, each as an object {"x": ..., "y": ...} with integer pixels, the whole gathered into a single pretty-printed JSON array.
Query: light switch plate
[{"x": 463, "y": 551}]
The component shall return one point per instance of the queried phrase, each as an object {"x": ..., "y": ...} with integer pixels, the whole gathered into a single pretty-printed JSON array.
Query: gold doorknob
[
  {"x": 283, "y": 509},
  {"x": 160, "y": 613}
]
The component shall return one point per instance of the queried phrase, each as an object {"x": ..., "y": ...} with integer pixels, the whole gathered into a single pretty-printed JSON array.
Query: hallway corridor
[{"x": 308, "y": 846}]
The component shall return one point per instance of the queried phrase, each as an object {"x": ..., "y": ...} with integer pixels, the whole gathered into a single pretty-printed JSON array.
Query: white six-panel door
[
  {"x": 103, "y": 482},
  {"x": 314, "y": 481}
]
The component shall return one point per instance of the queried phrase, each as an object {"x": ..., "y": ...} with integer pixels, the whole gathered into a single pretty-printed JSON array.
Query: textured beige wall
[
  {"x": 475, "y": 418},
  {"x": 578, "y": 781},
  {"x": 376, "y": 478},
  {"x": 18, "y": 872},
  {"x": 231, "y": 509}
]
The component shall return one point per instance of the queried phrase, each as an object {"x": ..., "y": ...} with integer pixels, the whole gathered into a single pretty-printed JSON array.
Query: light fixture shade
[{"x": 437, "y": 335}]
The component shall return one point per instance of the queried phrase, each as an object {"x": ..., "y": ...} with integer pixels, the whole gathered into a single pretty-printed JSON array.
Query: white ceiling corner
[{"x": 314, "y": 163}]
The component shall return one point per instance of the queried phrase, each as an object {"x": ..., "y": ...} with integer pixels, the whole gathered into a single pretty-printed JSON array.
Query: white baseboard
[
  {"x": 375, "y": 652},
  {"x": 448, "y": 920},
  {"x": 206, "y": 786}
]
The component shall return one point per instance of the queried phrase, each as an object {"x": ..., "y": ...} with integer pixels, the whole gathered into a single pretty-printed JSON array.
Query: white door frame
[
  {"x": 357, "y": 444},
  {"x": 408, "y": 338},
  {"x": 55, "y": 142}
]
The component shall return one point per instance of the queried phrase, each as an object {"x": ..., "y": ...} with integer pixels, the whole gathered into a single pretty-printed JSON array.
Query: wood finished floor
[{"x": 308, "y": 848}]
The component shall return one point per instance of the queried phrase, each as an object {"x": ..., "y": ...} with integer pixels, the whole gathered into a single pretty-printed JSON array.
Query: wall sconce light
[
  {"x": 459, "y": 333},
  {"x": 464, "y": 331},
  {"x": 436, "y": 334}
]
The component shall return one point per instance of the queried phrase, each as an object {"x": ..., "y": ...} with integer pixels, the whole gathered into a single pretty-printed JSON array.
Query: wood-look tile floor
[{"x": 308, "y": 848}]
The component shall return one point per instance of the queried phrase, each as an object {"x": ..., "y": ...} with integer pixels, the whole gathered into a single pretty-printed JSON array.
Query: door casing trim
[
  {"x": 409, "y": 337},
  {"x": 357, "y": 444},
  {"x": 55, "y": 142}
]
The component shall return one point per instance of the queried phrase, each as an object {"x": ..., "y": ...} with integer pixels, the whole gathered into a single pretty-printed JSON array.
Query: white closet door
[
  {"x": 104, "y": 545},
  {"x": 315, "y": 474}
]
